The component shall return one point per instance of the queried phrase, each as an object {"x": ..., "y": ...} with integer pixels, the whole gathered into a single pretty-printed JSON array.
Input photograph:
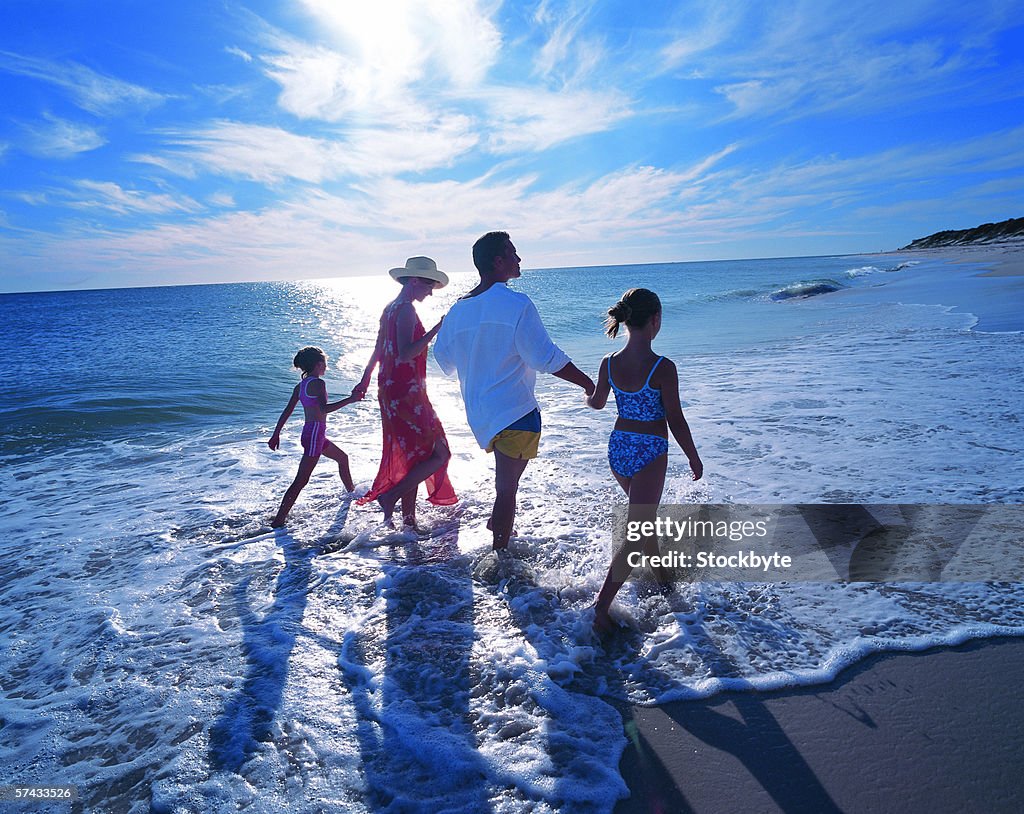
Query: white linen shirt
[{"x": 496, "y": 342}]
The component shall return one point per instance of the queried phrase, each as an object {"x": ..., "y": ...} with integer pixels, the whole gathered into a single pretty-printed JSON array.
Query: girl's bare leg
[
  {"x": 336, "y": 453},
  {"x": 306, "y": 466},
  {"x": 644, "y": 490}
]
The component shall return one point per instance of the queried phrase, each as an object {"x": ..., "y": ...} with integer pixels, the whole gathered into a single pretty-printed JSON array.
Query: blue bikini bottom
[{"x": 629, "y": 452}]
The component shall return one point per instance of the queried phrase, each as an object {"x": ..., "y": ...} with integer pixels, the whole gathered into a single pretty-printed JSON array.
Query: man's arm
[
  {"x": 536, "y": 348},
  {"x": 599, "y": 397},
  {"x": 571, "y": 373},
  {"x": 442, "y": 347}
]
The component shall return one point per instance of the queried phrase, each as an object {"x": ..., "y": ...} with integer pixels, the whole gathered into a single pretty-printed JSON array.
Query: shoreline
[
  {"x": 929, "y": 731},
  {"x": 1006, "y": 258}
]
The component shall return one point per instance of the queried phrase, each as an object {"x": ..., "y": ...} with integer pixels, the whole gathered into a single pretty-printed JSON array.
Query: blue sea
[{"x": 163, "y": 650}]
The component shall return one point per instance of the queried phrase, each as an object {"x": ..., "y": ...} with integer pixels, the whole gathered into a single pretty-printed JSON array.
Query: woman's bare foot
[
  {"x": 387, "y": 503},
  {"x": 603, "y": 623}
]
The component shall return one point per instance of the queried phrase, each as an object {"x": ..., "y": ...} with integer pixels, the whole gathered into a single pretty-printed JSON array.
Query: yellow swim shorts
[{"x": 520, "y": 439}]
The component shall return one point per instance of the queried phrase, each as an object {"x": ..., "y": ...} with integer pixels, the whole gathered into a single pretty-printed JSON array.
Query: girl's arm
[
  {"x": 364, "y": 382},
  {"x": 669, "y": 380},
  {"x": 337, "y": 405},
  {"x": 275, "y": 439},
  {"x": 320, "y": 392},
  {"x": 599, "y": 397},
  {"x": 407, "y": 348}
]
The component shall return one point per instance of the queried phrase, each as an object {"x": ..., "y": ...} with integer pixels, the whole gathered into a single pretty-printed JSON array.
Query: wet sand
[{"x": 941, "y": 730}]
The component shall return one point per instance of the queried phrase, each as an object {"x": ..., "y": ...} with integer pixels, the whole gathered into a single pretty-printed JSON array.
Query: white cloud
[
  {"x": 224, "y": 200},
  {"x": 707, "y": 26},
  {"x": 271, "y": 154},
  {"x": 320, "y": 234},
  {"x": 526, "y": 119},
  {"x": 267, "y": 154},
  {"x": 377, "y": 60},
  {"x": 59, "y": 138},
  {"x": 112, "y": 197},
  {"x": 245, "y": 56},
  {"x": 92, "y": 91},
  {"x": 571, "y": 52},
  {"x": 836, "y": 56}
]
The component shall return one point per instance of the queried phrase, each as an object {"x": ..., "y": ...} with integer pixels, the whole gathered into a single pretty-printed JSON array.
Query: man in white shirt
[{"x": 494, "y": 339}]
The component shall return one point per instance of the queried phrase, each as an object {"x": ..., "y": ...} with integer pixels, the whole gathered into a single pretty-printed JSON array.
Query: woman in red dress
[{"x": 415, "y": 447}]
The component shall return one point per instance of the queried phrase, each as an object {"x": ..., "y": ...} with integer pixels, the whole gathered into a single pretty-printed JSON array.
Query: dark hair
[
  {"x": 635, "y": 309},
  {"x": 306, "y": 359},
  {"x": 487, "y": 248}
]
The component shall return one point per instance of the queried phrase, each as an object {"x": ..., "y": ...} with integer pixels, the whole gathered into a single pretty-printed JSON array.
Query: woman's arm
[
  {"x": 668, "y": 378},
  {"x": 275, "y": 439},
  {"x": 407, "y": 348},
  {"x": 599, "y": 397},
  {"x": 364, "y": 381}
]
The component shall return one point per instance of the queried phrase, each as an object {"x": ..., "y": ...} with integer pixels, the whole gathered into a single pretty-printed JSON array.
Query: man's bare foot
[{"x": 277, "y": 523}]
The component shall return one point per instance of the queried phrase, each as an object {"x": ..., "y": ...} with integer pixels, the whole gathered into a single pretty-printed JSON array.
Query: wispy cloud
[
  {"x": 266, "y": 154},
  {"x": 111, "y": 197},
  {"x": 309, "y": 234},
  {"x": 838, "y": 57},
  {"x": 59, "y": 138},
  {"x": 238, "y": 52},
  {"x": 524, "y": 119},
  {"x": 89, "y": 89},
  {"x": 272, "y": 154},
  {"x": 223, "y": 200}
]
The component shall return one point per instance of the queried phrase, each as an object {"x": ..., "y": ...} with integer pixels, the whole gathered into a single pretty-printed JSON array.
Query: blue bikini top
[{"x": 639, "y": 405}]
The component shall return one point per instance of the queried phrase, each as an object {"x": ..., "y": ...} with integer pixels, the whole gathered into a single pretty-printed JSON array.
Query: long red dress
[{"x": 411, "y": 427}]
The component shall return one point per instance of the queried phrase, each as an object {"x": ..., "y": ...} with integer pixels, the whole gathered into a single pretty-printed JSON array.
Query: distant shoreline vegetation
[{"x": 986, "y": 233}]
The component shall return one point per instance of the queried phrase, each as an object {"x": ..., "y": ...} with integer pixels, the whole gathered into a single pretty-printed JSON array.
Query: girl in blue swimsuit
[{"x": 646, "y": 389}]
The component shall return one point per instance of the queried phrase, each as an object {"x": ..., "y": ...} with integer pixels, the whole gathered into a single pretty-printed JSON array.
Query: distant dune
[{"x": 986, "y": 233}]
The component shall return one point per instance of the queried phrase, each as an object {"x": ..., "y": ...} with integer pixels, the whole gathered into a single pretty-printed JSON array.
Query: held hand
[
  {"x": 590, "y": 387},
  {"x": 697, "y": 467}
]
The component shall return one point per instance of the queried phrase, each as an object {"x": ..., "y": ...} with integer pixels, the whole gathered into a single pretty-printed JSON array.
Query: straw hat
[{"x": 421, "y": 267}]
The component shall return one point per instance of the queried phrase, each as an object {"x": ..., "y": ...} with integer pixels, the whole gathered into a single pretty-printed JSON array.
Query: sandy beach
[
  {"x": 1006, "y": 257},
  {"x": 941, "y": 730}
]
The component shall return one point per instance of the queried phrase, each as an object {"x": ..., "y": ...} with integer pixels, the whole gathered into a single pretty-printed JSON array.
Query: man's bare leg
[{"x": 507, "y": 472}]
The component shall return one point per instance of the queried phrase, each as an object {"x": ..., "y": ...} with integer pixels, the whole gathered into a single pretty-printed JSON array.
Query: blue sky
[{"x": 195, "y": 141}]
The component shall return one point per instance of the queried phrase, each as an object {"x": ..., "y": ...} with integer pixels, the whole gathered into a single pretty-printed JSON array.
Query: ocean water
[{"x": 163, "y": 650}]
